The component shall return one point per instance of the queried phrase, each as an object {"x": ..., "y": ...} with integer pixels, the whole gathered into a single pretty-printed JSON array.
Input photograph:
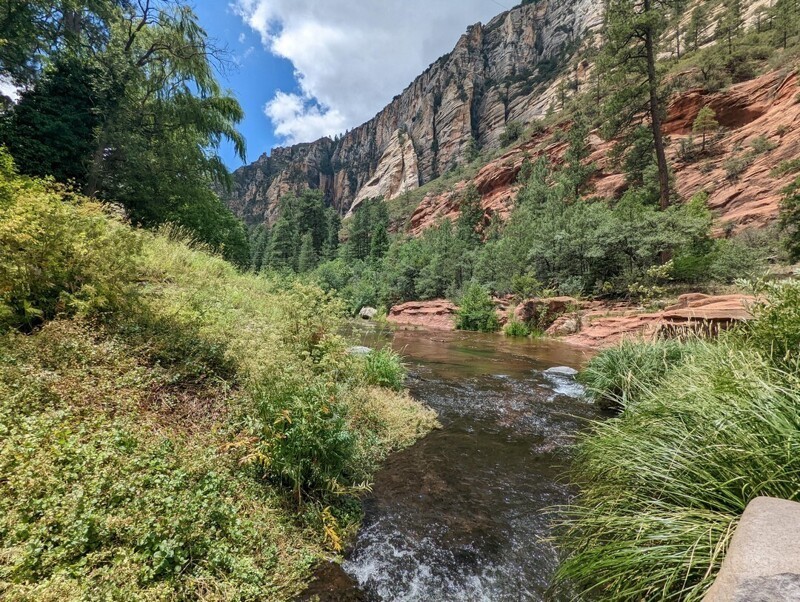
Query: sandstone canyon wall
[{"x": 497, "y": 73}]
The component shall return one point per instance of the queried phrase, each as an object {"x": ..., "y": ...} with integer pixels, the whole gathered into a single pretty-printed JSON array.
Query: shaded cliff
[{"x": 497, "y": 73}]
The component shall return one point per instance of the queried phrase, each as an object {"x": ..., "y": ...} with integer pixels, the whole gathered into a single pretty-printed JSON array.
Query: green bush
[
  {"x": 59, "y": 253},
  {"x": 384, "y": 368},
  {"x": 477, "y": 311},
  {"x": 515, "y": 328},
  {"x": 304, "y": 439},
  {"x": 776, "y": 330}
]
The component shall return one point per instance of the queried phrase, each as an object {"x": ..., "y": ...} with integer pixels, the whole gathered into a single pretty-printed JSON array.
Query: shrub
[
  {"x": 515, "y": 328},
  {"x": 761, "y": 144},
  {"x": 303, "y": 437},
  {"x": 785, "y": 167},
  {"x": 512, "y": 133},
  {"x": 476, "y": 310},
  {"x": 664, "y": 483},
  {"x": 59, "y": 253},
  {"x": 384, "y": 368},
  {"x": 735, "y": 165},
  {"x": 776, "y": 330}
]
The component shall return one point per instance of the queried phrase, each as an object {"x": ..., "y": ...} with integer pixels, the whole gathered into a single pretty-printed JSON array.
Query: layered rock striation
[{"x": 497, "y": 73}]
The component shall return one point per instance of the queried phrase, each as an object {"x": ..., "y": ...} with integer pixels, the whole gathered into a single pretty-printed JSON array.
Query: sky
[{"x": 303, "y": 69}]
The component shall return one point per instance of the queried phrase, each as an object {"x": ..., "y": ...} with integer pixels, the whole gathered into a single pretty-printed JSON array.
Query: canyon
[
  {"x": 514, "y": 70},
  {"x": 502, "y": 72}
]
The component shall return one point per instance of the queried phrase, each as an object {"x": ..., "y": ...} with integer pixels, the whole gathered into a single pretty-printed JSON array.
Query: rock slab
[{"x": 763, "y": 559}]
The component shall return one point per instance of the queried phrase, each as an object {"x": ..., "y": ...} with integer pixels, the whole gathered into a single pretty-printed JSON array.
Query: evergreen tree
[
  {"x": 470, "y": 216},
  {"x": 730, "y": 23},
  {"x": 704, "y": 124},
  {"x": 379, "y": 243},
  {"x": 358, "y": 235},
  {"x": 633, "y": 29},
  {"x": 308, "y": 256},
  {"x": 51, "y": 130},
  {"x": 698, "y": 23},
  {"x": 786, "y": 15},
  {"x": 284, "y": 237},
  {"x": 259, "y": 246},
  {"x": 334, "y": 225}
]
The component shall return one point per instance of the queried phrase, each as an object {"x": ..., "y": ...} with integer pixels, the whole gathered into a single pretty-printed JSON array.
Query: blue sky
[{"x": 309, "y": 68}]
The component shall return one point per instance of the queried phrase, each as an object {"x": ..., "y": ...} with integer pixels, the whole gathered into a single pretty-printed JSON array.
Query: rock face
[
  {"x": 763, "y": 560},
  {"x": 429, "y": 315},
  {"x": 500, "y": 72},
  {"x": 766, "y": 106},
  {"x": 604, "y": 325}
]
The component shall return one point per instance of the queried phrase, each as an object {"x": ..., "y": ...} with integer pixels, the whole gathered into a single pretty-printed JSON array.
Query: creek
[{"x": 459, "y": 516}]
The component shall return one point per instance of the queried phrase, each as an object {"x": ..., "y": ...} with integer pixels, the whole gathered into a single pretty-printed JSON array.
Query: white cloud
[
  {"x": 352, "y": 56},
  {"x": 242, "y": 38}
]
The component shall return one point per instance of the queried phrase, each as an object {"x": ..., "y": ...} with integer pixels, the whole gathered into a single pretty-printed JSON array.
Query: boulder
[
  {"x": 359, "y": 350},
  {"x": 763, "y": 559},
  {"x": 438, "y": 314},
  {"x": 564, "y": 326},
  {"x": 367, "y": 313},
  {"x": 543, "y": 312}
]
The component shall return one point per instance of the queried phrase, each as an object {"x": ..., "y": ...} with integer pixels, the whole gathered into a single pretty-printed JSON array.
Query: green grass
[
  {"x": 516, "y": 329},
  {"x": 663, "y": 485},
  {"x": 170, "y": 428},
  {"x": 625, "y": 373}
]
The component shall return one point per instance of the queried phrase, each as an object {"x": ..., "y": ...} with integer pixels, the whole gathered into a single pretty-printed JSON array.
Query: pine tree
[
  {"x": 334, "y": 224},
  {"x": 698, "y": 24},
  {"x": 633, "y": 29},
  {"x": 259, "y": 247},
  {"x": 731, "y": 22},
  {"x": 379, "y": 243},
  {"x": 358, "y": 235},
  {"x": 308, "y": 256},
  {"x": 786, "y": 19},
  {"x": 283, "y": 243},
  {"x": 470, "y": 216},
  {"x": 705, "y": 123}
]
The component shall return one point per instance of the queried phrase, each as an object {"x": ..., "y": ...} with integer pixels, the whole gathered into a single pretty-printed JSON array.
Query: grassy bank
[
  {"x": 705, "y": 427},
  {"x": 169, "y": 427}
]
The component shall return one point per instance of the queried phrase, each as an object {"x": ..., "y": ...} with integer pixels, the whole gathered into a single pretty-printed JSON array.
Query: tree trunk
[{"x": 655, "y": 116}]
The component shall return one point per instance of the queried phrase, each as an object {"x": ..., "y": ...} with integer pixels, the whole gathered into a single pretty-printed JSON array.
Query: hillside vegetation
[{"x": 171, "y": 428}]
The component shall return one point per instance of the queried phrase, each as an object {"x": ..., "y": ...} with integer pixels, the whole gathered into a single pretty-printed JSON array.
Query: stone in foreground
[{"x": 763, "y": 560}]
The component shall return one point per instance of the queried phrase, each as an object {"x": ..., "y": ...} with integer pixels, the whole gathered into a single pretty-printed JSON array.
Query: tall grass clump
[
  {"x": 664, "y": 484},
  {"x": 515, "y": 328},
  {"x": 627, "y": 372}
]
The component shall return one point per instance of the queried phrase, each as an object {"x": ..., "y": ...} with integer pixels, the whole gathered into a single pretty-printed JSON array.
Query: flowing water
[{"x": 458, "y": 516}]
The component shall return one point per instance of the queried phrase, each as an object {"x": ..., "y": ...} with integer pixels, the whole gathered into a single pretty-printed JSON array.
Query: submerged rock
[
  {"x": 359, "y": 350},
  {"x": 332, "y": 584}
]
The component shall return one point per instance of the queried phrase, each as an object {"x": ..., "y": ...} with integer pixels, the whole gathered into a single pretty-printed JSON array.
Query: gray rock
[
  {"x": 367, "y": 313},
  {"x": 562, "y": 371},
  {"x": 763, "y": 559},
  {"x": 359, "y": 350}
]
